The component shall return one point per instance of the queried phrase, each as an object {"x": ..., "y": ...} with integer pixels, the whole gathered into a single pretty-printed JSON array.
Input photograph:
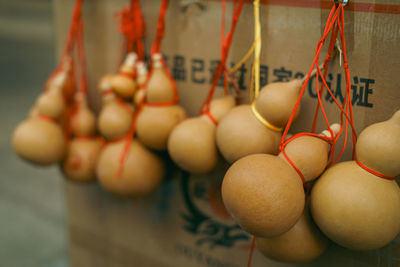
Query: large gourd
[
  {"x": 84, "y": 148},
  {"x": 192, "y": 144},
  {"x": 264, "y": 194},
  {"x": 155, "y": 122},
  {"x": 354, "y": 207},
  {"x": 40, "y": 139},
  {"x": 274, "y": 106},
  {"x": 304, "y": 242}
]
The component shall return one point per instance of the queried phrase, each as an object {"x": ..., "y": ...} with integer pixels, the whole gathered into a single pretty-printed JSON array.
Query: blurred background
[{"x": 32, "y": 208}]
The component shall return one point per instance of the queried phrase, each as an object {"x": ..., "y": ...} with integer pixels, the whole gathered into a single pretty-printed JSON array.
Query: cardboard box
[{"x": 184, "y": 223}]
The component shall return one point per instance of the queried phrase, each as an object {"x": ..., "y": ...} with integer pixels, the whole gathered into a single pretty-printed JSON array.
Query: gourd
[
  {"x": 115, "y": 117},
  {"x": 264, "y": 194},
  {"x": 354, "y": 207},
  {"x": 155, "y": 122},
  {"x": 123, "y": 83},
  {"x": 304, "y": 242},
  {"x": 142, "y": 170},
  {"x": 192, "y": 144},
  {"x": 40, "y": 139},
  {"x": 274, "y": 106},
  {"x": 83, "y": 149}
]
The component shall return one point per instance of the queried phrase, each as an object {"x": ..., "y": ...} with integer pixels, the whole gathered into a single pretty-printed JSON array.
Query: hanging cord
[
  {"x": 335, "y": 20},
  {"x": 224, "y": 54},
  {"x": 130, "y": 23},
  {"x": 156, "y": 49}
]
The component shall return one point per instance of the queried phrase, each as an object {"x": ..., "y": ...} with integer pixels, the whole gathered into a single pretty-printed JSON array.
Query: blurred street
[{"x": 32, "y": 219}]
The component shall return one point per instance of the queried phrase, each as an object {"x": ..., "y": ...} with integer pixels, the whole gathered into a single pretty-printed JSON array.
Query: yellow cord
[
  {"x": 264, "y": 121},
  {"x": 244, "y": 59},
  {"x": 257, "y": 49}
]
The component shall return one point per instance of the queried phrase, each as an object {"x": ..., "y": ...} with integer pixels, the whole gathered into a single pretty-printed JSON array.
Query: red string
[
  {"x": 73, "y": 28},
  {"x": 131, "y": 24},
  {"x": 129, "y": 138},
  {"x": 253, "y": 243},
  {"x": 211, "y": 117},
  {"x": 335, "y": 24},
  {"x": 224, "y": 54},
  {"x": 160, "y": 27},
  {"x": 381, "y": 175},
  {"x": 156, "y": 50}
]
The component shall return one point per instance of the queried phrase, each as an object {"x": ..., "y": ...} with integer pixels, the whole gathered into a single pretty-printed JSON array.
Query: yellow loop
[
  {"x": 264, "y": 121},
  {"x": 257, "y": 49}
]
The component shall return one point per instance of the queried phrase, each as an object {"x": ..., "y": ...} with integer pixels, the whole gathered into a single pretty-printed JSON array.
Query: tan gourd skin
[
  {"x": 65, "y": 80},
  {"x": 81, "y": 158},
  {"x": 304, "y": 242},
  {"x": 263, "y": 202},
  {"x": 264, "y": 193},
  {"x": 82, "y": 153},
  {"x": 240, "y": 124},
  {"x": 115, "y": 118},
  {"x": 275, "y": 103},
  {"x": 51, "y": 103},
  {"x": 191, "y": 144},
  {"x": 154, "y": 125},
  {"x": 355, "y": 208},
  {"x": 142, "y": 173},
  {"x": 39, "y": 141},
  {"x": 159, "y": 87},
  {"x": 122, "y": 83}
]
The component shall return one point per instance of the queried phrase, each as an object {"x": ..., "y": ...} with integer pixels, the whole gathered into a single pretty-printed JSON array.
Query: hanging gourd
[
  {"x": 115, "y": 117},
  {"x": 264, "y": 193},
  {"x": 40, "y": 138},
  {"x": 304, "y": 242},
  {"x": 192, "y": 145},
  {"x": 124, "y": 83},
  {"x": 357, "y": 203},
  {"x": 161, "y": 112},
  {"x": 125, "y": 167},
  {"x": 83, "y": 147},
  {"x": 260, "y": 123}
]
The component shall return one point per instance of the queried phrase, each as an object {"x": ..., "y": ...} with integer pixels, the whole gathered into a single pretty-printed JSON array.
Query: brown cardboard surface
[{"x": 182, "y": 224}]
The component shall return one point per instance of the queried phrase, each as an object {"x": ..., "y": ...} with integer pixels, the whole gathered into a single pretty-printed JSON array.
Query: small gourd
[
  {"x": 123, "y": 83},
  {"x": 141, "y": 80},
  {"x": 274, "y": 106},
  {"x": 115, "y": 117},
  {"x": 264, "y": 193},
  {"x": 40, "y": 139},
  {"x": 304, "y": 242},
  {"x": 156, "y": 122},
  {"x": 159, "y": 88},
  {"x": 83, "y": 149},
  {"x": 354, "y": 207},
  {"x": 64, "y": 78},
  {"x": 192, "y": 144}
]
